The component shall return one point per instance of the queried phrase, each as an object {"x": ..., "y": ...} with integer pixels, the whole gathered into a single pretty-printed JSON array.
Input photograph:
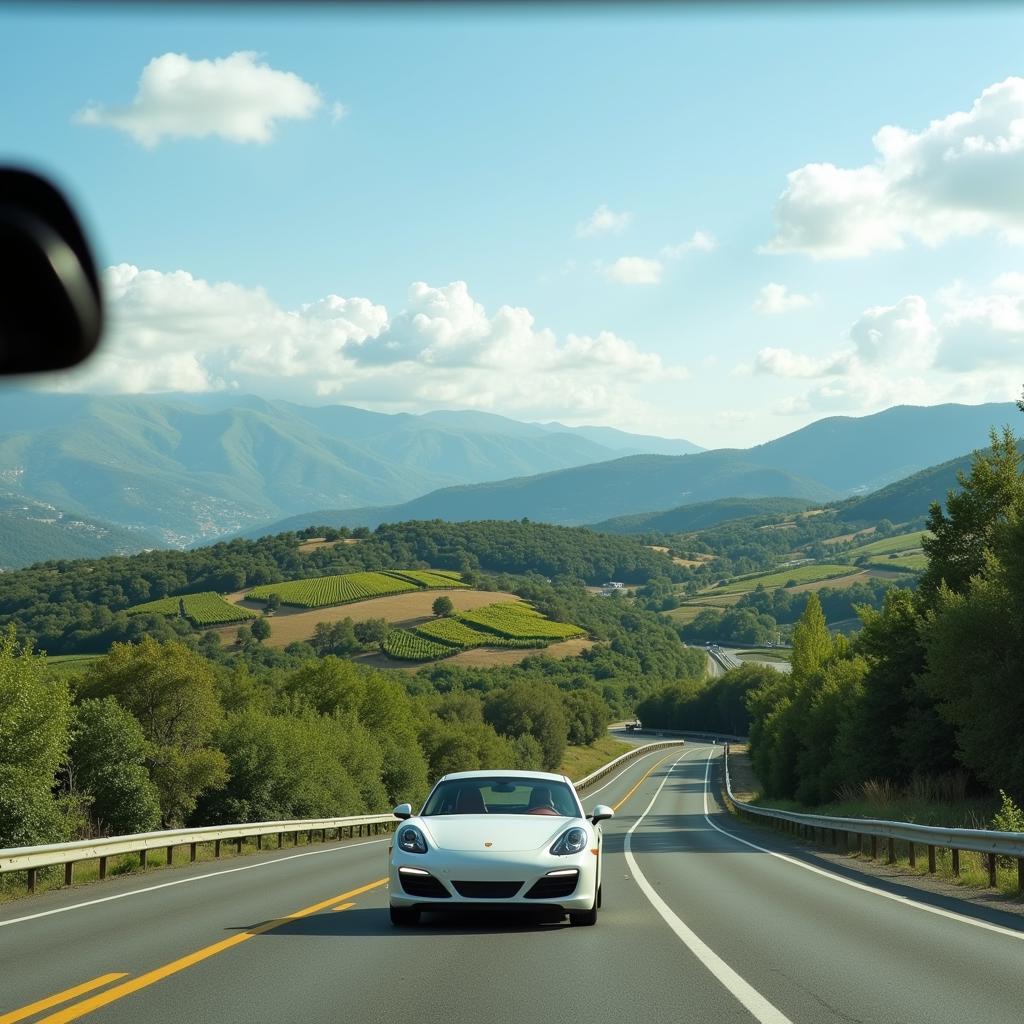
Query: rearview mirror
[
  {"x": 51, "y": 311},
  {"x": 403, "y": 811},
  {"x": 602, "y": 812}
]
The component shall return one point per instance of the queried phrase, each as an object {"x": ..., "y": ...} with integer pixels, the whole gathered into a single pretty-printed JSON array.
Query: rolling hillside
[{"x": 190, "y": 468}]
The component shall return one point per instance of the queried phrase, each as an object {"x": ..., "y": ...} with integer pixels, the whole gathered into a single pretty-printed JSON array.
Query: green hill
[{"x": 688, "y": 518}]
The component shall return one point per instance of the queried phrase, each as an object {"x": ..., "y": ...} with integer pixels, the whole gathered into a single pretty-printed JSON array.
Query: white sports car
[{"x": 498, "y": 839}]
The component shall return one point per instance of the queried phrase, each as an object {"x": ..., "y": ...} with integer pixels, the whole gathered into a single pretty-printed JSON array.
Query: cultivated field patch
[
  {"x": 323, "y": 591},
  {"x": 288, "y": 625},
  {"x": 205, "y": 609},
  {"x": 799, "y": 573},
  {"x": 888, "y": 545}
]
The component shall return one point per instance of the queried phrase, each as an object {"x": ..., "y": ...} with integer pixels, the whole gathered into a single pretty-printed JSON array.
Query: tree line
[
  {"x": 80, "y": 606},
  {"x": 930, "y": 688}
]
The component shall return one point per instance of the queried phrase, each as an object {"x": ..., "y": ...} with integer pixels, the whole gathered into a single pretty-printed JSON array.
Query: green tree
[
  {"x": 260, "y": 629},
  {"x": 35, "y": 721},
  {"x": 812, "y": 642},
  {"x": 961, "y": 533},
  {"x": 443, "y": 605},
  {"x": 534, "y": 709},
  {"x": 172, "y": 692},
  {"x": 108, "y": 756}
]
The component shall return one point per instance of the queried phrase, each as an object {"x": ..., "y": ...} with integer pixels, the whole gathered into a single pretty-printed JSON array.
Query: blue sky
[{"x": 477, "y": 144}]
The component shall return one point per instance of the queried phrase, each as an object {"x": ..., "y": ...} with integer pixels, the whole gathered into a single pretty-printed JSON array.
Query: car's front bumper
[{"x": 490, "y": 880}]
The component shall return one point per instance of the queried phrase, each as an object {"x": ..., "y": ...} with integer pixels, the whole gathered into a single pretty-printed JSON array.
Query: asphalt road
[{"x": 697, "y": 925}]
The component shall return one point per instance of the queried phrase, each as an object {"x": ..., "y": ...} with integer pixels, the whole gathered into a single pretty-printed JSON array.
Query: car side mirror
[
  {"x": 602, "y": 812},
  {"x": 51, "y": 309},
  {"x": 403, "y": 811}
]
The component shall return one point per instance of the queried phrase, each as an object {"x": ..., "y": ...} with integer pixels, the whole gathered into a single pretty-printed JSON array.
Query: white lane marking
[
  {"x": 832, "y": 876},
  {"x": 185, "y": 881},
  {"x": 747, "y": 995},
  {"x": 632, "y": 764}
]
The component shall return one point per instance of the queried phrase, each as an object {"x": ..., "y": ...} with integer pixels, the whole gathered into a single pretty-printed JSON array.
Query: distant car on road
[{"x": 497, "y": 839}]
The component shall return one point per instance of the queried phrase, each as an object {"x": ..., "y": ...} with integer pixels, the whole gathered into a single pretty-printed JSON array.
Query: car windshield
[{"x": 502, "y": 796}]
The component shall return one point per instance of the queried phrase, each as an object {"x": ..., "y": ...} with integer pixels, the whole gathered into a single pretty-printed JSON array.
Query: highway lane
[
  {"x": 810, "y": 949},
  {"x": 189, "y": 909}
]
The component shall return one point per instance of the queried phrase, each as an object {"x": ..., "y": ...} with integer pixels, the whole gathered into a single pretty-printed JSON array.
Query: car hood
[{"x": 507, "y": 833}]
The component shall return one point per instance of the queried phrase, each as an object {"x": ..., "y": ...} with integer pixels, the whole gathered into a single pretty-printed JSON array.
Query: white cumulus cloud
[
  {"x": 237, "y": 98},
  {"x": 177, "y": 332},
  {"x": 635, "y": 270},
  {"x": 699, "y": 241},
  {"x": 774, "y": 299},
  {"x": 964, "y": 346},
  {"x": 603, "y": 221},
  {"x": 961, "y": 175}
]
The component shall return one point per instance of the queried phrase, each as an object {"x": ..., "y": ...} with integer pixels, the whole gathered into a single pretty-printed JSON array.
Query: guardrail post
[
  {"x": 69, "y": 873},
  {"x": 103, "y": 868},
  {"x": 956, "y": 862},
  {"x": 991, "y": 870},
  {"x": 216, "y": 848},
  {"x": 1020, "y": 874},
  {"x": 912, "y": 855},
  {"x": 931, "y": 859},
  {"x": 170, "y": 855},
  {"x": 192, "y": 853},
  {"x": 31, "y": 880},
  {"x": 259, "y": 841},
  {"x": 238, "y": 845},
  {"x": 891, "y": 858},
  {"x": 280, "y": 840},
  {"x": 874, "y": 847},
  {"x": 309, "y": 837},
  {"x": 143, "y": 859}
]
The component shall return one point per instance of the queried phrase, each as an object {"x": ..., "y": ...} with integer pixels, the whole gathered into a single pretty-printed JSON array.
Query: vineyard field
[
  {"x": 162, "y": 606},
  {"x": 321, "y": 591},
  {"x": 458, "y": 634},
  {"x": 205, "y": 609},
  {"x": 406, "y": 646},
  {"x": 518, "y": 622},
  {"x": 428, "y": 578}
]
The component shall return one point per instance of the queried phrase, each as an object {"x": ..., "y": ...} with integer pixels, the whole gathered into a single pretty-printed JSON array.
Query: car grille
[
  {"x": 554, "y": 887},
  {"x": 487, "y": 890},
  {"x": 426, "y": 886}
]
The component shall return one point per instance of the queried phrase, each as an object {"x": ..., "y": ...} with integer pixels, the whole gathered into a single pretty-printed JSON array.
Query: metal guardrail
[
  {"x": 720, "y": 736},
  {"x": 623, "y": 759},
  {"x": 815, "y": 826},
  {"x": 31, "y": 859}
]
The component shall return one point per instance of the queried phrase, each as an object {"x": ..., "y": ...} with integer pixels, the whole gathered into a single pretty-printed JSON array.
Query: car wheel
[
  {"x": 402, "y": 917},
  {"x": 584, "y": 917}
]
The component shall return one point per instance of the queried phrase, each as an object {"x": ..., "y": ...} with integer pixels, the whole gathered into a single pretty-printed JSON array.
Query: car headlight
[
  {"x": 574, "y": 840},
  {"x": 410, "y": 839}
]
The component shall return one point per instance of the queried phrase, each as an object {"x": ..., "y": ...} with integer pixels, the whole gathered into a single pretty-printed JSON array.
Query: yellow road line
[
  {"x": 151, "y": 977},
  {"x": 645, "y": 777},
  {"x": 344, "y": 906},
  {"x": 60, "y": 997}
]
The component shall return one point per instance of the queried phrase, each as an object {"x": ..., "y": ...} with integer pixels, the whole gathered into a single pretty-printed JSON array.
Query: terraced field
[
  {"x": 799, "y": 573},
  {"x": 916, "y": 561},
  {"x": 889, "y": 545},
  {"x": 406, "y": 646},
  {"x": 205, "y": 609},
  {"x": 519, "y": 622},
  {"x": 495, "y": 625},
  {"x": 323, "y": 591}
]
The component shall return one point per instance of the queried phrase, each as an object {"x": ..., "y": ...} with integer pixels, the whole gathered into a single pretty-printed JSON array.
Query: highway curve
[{"x": 697, "y": 925}]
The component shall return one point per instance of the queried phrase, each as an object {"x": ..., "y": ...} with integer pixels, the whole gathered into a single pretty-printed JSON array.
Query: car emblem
[{"x": 488, "y": 844}]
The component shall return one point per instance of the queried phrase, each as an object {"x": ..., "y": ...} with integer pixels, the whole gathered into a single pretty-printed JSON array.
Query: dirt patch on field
[
  {"x": 318, "y": 542},
  {"x": 480, "y": 657},
  {"x": 778, "y": 526},
  {"x": 403, "y": 610}
]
